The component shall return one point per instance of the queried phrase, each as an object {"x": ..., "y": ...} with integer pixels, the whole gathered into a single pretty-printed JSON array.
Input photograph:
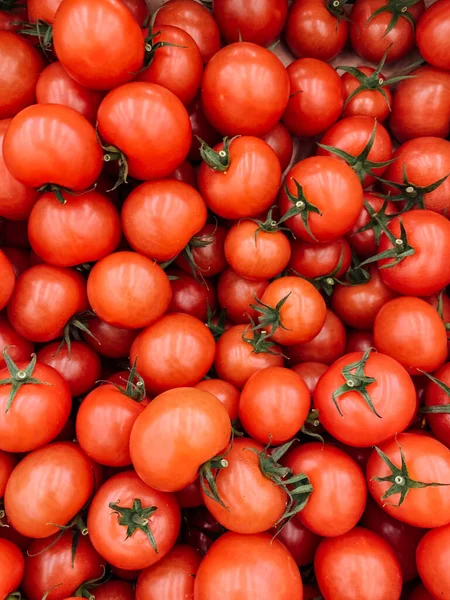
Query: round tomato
[
  {"x": 8, "y": 279},
  {"x": 18, "y": 257},
  {"x": 225, "y": 392},
  {"x": 432, "y": 562},
  {"x": 191, "y": 296},
  {"x": 110, "y": 341},
  {"x": 364, "y": 96},
  {"x": 432, "y": 35},
  {"x": 12, "y": 568},
  {"x": 280, "y": 140},
  {"x": 300, "y": 541},
  {"x": 365, "y": 234},
  {"x": 437, "y": 402},
  {"x": 316, "y": 261},
  {"x": 236, "y": 294},
  {"x": 44, "y": 10},
  {"x": 310, "y": 372},
  {"x": 206, "y": 252}
]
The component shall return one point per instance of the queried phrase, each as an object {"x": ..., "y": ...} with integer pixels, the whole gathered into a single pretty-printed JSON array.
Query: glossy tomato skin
[
  {"x": 92, "y": 42},
  {"x": 7, "y": 463},
  {"x": 18, "y": 257},
  {"x": 333, "y": 188},
  {"x": 45, "y": 11},
  {"x": 109, "y": 537},
  {"x": 75, "y": 240},
  {"x": 236, "y": 294},
  {"x": 50, "y": 568},
  {"x": 300, "y": 541},
  {"x": 435, "y": 396},
  {"x": 172, "y": 575},
  {"x": 12, "y": 567},
  {"x": 21, "y": 67},
  {"x": 113, "y": 342},
  {"x": 359, "y": 341},
  {"x": 234, "y": 560},
  {"x": 366, "y": 103},
  {"x": 250, "y": 184},
  {"x": 311, "y": 260},
  {"x": 313, "y": 31},
  {"x": 432, "y": 561},
  {"x": 280, "y": 140},
  {"x": 204, "y": 435},
  {"x": 52, "y": 464},
  {"x": 185, "y": 173},
  {"x": 405, "y": 323},
  {"x": 191, "y": 296},
  {"x": 427, "y": 460},
  {"x": 176, "y": 351},
  {"x": 316, "y": 97},
  {"x": 227, "y": 393},
  {"x": 432, "y": 34},
  {"x": 8, "y": 280},
  {"x": 115, "y": 589},
  {"x": 363, "y": 242},
  {"x": 245, "y": 89},
  {"x": 344, "y": 567},
  {"x": 44, "y": 299},
  {"x": 160, "y": 217},
  {"x": 310, "y": 372},
  {"x": 51, "y": 143},
  {"x": 210, "y": 257},
  {"x": 135, "y": 117}
]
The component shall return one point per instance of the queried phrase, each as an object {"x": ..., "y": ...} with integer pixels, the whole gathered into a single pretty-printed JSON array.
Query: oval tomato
[
  {"x": 432, "y": 561},
  {"x": 432, "y": 35},
  {"x": 12, "y": 567}
]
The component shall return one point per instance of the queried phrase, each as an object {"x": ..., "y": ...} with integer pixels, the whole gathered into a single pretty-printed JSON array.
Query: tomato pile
[{"x": 224, "y": 318}]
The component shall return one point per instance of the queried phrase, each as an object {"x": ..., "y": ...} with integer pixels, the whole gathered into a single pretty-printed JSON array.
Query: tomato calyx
[
  {"x": 400, "y": 250},
  {"x": 440, "y": 311},
  {"x": 19, "y": 377},
  {"x": 270, "y": 225},
  {"x": 197, "y": 241},
  {"x": 135, "y": 386},
  {"x": 325, "y": 283},
  {"x": 260, "y": 342},
  {"x": 151, "y": 48},
  {"x": 270, "y": 316},
  {"x": 40, "y": 29},
  {"x": 84, "y": 590},
  {"x": 400, "y": 481},
  {"x": 300, "y": 206},
  {"x": 72, "y": 330},
  {"x": 217, "y": 328},
  {"x": 438, "y": 409},
  {"x": 356, "y": 381},
  {"x": 208, "y": 475},
  {"x": 336, "y": 8},
  {"x": 217, "y": 161},
  {"x": 398, "y": 8},
  {"x": 136, "y": 517},
  {"x": 111, "y": 154},
  {"x": 378, "y": 221},
  {"x": 312, "y": 426}
]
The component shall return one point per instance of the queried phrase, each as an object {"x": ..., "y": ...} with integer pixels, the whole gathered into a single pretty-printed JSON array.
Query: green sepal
[
  {"x": 439, "y": 409},
  {"x": 260, "y": 342},
  {"x": 217, "y": 161},
  {"x": 135, "y": 518},
  {"x": 400, "y": 250},
  {"x": 270, "y": 316},
  {"x": 356, "y": 381},
  {"x": 208, "y": 475},
  {"x": 300, "y": 206}
]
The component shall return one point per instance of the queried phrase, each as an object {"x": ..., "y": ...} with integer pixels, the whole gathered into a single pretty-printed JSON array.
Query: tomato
[
  {"x": 321, "y": 199},
  {"x": 114, "y": 590},
  {"x": 202, "y": 128},
  {"x": 160, "y": 217},
  {"x": 432, "y": 34},
  {"x": 358, "y": 305},
  {"x": 316, "y": 97},
  {"x": 185, "y": 173},
  {"x": 345, "y": 565},
  {"x": 365, "y": 399},
  {"x": 437, "y": 397},
  {"x": 76, "y": 239},
  {"x": 432, "y": 562},
  {"x": 138, "y": 9},
  {"x": 327, "y": 346},
  {"x": 8, "y": 280},
  {"x": 255, "y": 567},
  {"x": 49, "y": 566},
  {"x": 313, "y": 261},
  {"x": 176, "y": 351},
  {"x": 12, "y": 567},
  {"x": 7, "y": 463},
  {"x": 369, "y": 31},
  {"x": 172, "y": 575},
  {"x": 402, "y": 538},
  {"x": 353, "y": 136},
  {"x": 359, "y": 341},
  {"x": 365, "y": 242},
  {"x": 132, "y": 525},
  {"x": 21, "y": 67},
  {"x": 279, "y": 139},
  {"x": 236, "y": 294},
  {"x": 408, "y": 323},
  {"x": 42, "y": 10},
  {"x": 191, "y": 296},
  {"x": 176, "y": 65},
  {"x": 315, "y": 29},
  {"x": 18, "y": 257},
  {"x": 225, "y": 392},
  {"x": 42, "y": 158},
  {"x": 273, "y": 406},
  {"x": 300, "y": 541},
  {"x": 202, "y": 529},
  {"x": 196, "y": 20},
  {"x": 190, "y": 496},
  {"x": 10, "y": 15},
  {"x": 44, "y": 299},
  {"x": 69, "y": 482},
  {"x": 245, "y": 89},
  {"x": 255, "y": 250},
  {"x": 428, "y": 87},
  {"x": 247, "y": 182},
  {"x": 404, "y": 461},
  {"x": 374, "y": 102},
  {"x": 310, "y": 372},
  {"x": 113, "y": 342},
  {"x": 420, "y": 593},
  {"x": 207, "y": 252}
]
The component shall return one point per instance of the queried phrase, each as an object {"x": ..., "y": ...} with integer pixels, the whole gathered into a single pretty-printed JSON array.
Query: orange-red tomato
[
  {"x": 12, "y": 567},
  {"x": 227, "y": 393},
  {"x": 432, "y": 562}
]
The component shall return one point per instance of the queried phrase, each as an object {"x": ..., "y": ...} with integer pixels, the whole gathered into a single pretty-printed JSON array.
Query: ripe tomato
[
  {"x": 171, "y": 576},
  {"x": 438, "y": 398},
  {"x": 315, "y": 29},
  {"x": 190, "y": 295},
  {"x": 43, "y": 301},
  {"x": 176, "y": 351},
  {"x": 330, "y": 471},
  {"x": 316, "y": 97},
  {"x": 18, "y": 257},
  {"x": 138, "y": 9},
  {"x": 310, "y": 372},
  {"x": 202, "y": 128},
  {"x": 8, "y": 279},
  {"x": 432, "y": 35},
  {"x": 345, "y": 565},
  {"x": 42, "y": 158},
  {"x": 236, "y": 294},
  {"x": 138, "y": 282},
  {"x": 323, "y": 198},
  {"x": 7, "y": 463},
  {"x": 12, "y": 567},
  {"x": 132, "y": 525},
  {"x": 313, "y": 261},
  {"x": 76, "y": 239},
  {"x": 114, "y": 589},
  {"x": 365, "y": 243},
  {"x": 82, "y": 53},
  {"x": 401, "y": 463},
  {"x": 300, "y": 541},
  {"x": 49, "y": 566},
  {"x": 69, "y": 481},
  {"x": 185, "y": 173},
  {"x": 405, "y": 323},
  {"x": 42, "y": 10},
  {"x": 245, "y": 89},
  {"x": 247, "y": 184},
  {"x": 207, "y": 251},
  {"x": 279, "y": 139},
  {"x": 225, "y": 392},
  {"x": 256, "y": 567},
  {"x": 375, "y": 103},
  {"x": 113, "y": 342},
  {"x": 364, "y": 399},
  {"x": 432, "y": 562},
  {"x": 160, "y": 217},
  {"x": 20, "y": 72}
]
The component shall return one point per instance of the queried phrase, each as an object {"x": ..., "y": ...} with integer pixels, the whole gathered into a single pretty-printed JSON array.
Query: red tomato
[
  {"x": 408, "y": 323},
  {"x": 190, "y": 496},
  {"x": 279, "y": 139},
  {"x": 316, "y": 29},
  {"x": 316, "y": 97},
  {"x": 42, "y": 10},
  {"x": 114, "y": 590},
  {"x": 176, "y": 351},
  {"x": 432, "y": 35},
  {"x": 185, "y": 173},
  {"x": 345, "y": 565},
  {"x": 300, "y": 541},
  {"x": 21, "y": 67},
  {"x": 7, "y": 463},
  {"x": 402, "y": 462},
  {"x": 324, "y": 196},
  {"x": 202, "y": 128},
  {"x": 109, "y": 341},
  {"x": 132, "y": 525},
  {"x": 364, "y": 400},
  {"x": 359, "y": 341},
  {"x": 225, "y": 392},
  {"x": 42, "y": 158},
  {"x": 437, "y": 397},
  {"x": 68, "y": 477},
  {"x": 18, "y": 257},
  {"x": 92, "y": 42},
  {"x": 8, "y": 279},
  {"x": 245, "y": 89},
  {"x": 191, "y": 296},
  {"x": 236, "y": 294},
  {"x": 375, "y": 103},
  {"x": 171, "y": 576},
  {"x": 310, "y": 372},
  {"x": 12, "y": 568},
  {"x": 432, "y": 562},
  {"x": 207, "y": 252},
  {"x": 256, "y": 567},
  {"x": 365, "y": 243},
  {"x": 314, "y": 261},
  {"x": 160, "y": 217},
  {"x": 44, "y": 299}
]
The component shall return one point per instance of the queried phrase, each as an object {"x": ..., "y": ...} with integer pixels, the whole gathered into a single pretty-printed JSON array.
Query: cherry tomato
[
  {"x": 190, "y": 496},
  {"x": 8, "y": 279},
  {"x": 279, "y": 139},
  {"x": 110, "y": 341},
  {"x": 208, "y": 252},
  {"x": 191, "y": 296},
  {"x": 359, "y": 341},
  {"x": 185, "y": 173},
  {"x": 42, "y": 10},
  {"x": 432, "y": 34},
  {"x": 432, "y": 562},
  {"x": 225, "y": 392},
  {"x": 311, "y": 260},
  {"x": 236, "y": 294},
  {"x": 114, "y": 590},
  {"x": 310, "y": 372},
  {"x": 374, "y": 103},
  {"x": 12, "y": 567},
  {"x": 18, "y": 257}
]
